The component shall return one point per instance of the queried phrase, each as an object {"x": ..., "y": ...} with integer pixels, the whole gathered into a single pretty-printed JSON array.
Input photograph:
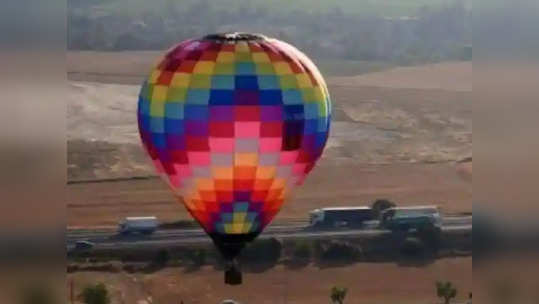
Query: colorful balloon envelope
[{"x": 233, "y": 122}]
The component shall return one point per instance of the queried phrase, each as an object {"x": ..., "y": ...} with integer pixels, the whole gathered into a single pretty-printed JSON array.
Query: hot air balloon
[{"x": 233, "y": 122}]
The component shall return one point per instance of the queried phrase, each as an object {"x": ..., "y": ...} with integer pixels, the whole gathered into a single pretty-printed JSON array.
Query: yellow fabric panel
[
  {"x": 204, "y": 67},
  {"x": 180, "y": 80},
  {"x": 242, "y": 46},
  {"x": 159, "y": 93},
  {"x": 239, "y": 217},
  {"x": 225, "y": 57},
  {"x": 261, "y": 57},
  {"x": 282, "y": 68},
  {"x": 304, "y": 81}
]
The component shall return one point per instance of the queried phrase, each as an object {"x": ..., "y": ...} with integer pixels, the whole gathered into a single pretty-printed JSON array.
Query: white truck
[
  {"x": 340, "y": 217},
  {"x": 143, "y": 225}
]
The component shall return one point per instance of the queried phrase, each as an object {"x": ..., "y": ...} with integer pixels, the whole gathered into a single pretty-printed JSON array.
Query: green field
[{"x": 390, "y": 8}]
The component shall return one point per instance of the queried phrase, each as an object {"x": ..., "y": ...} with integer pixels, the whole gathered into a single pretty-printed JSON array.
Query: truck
[
  {"x": 142, "y": 225},
  {"x": 411, "y": 218},
  {"x": 338, "y": 217}
]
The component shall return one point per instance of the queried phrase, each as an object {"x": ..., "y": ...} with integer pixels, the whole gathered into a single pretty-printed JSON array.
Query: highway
[{"x": 110, "y": 239}]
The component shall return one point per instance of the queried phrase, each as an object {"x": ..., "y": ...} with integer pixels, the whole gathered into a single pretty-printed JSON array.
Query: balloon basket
[{"x": 233, "y": 276}]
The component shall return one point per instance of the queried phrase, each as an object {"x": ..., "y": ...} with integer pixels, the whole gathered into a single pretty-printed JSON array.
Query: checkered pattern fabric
[{"x": 233, "y": 126}]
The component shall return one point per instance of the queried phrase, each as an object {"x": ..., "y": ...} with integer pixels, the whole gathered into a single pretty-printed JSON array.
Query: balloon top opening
[{"x": 236, "y": 36}]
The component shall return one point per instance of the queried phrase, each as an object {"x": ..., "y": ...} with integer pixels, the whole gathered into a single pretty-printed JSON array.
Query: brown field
[
  {"x": 373, "y": 283},
  {"x": 396, "y": 134},
  {"x": 454, "y": 76},
  {"x": 103, "y": 204}
]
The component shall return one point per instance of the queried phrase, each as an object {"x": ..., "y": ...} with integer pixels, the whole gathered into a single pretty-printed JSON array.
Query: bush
[
  {"x": 95, "y": 294},
  {"x": 446, "y": 291},
  {"x": 302, "y": 251},
  {"x": 412, "y": 247},
  {"x": 262, "y": 251},
  {"x": 197, "y": 257},
  {"x": 161, "y": 258},
  {"x": 341, "y": 251},
  {"x": 380, "y": 205},
  {"x": 338, "y": 294},
  {"x": 318, "y": 249},
  {"x": 431, "y": 236}
]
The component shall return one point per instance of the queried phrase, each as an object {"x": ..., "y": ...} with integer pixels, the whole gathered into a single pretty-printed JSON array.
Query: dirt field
[
  {"x": 373, "y": 283},
  {"x": 396, "y": 134},
  {"x": 103, "y": 204},
  {"x": 455, "y": 76}
]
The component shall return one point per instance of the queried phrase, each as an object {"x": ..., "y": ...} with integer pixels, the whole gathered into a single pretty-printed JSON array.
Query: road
[{"x": 109, "y": 239}]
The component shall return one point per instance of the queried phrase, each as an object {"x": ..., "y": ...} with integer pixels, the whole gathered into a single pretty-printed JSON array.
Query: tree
[
  {"x": 161, "y": 258},
  {"x": 95, "y": 294},
  {"x": 263, "y": 251},
  {"x": 337, "y": 251},
  {"x": 446, "y": 291},
  {"x": 338, "y": 294},
  {"x": 431, "y": 235},
  {"x": 380, "y": 205}
]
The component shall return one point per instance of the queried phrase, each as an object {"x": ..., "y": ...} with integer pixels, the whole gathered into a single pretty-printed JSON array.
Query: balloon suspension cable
[{"x": 235, "y": 36}]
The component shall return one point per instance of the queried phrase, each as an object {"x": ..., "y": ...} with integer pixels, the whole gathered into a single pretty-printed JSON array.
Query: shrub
[
  {"x": 302, "y": 251},
  {"x": 338, "y": 294},
  {"x": 262, "y": 251},
  {"x": 197, "y": 257},
  {"x": 412, "y": 247},
  {"x": 341, "y": 251},
  {"x": 380, "y": 205},
  {"x": 318, "y": 249},
  {"x": 161, "y": 258},
  {"x": 95, "y": 294},
  {"x": 446, "y": 291},
  {"x": 431, "y": 236}
]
